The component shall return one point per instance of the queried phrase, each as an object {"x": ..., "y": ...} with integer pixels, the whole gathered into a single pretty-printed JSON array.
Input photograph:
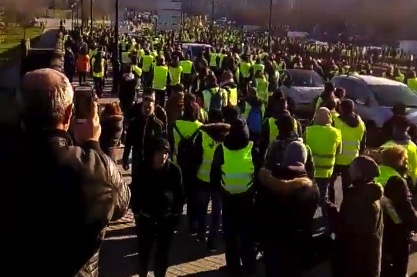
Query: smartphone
[{"x": 83, "y": 103}]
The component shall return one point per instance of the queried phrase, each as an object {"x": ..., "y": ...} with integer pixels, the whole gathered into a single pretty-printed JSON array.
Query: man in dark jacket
[
  {"x": 290, "y": 202},
  {"x": 158, "y": 202},
  {"x": 80, "y": 183},
  {"x": 143, "y": 127}
]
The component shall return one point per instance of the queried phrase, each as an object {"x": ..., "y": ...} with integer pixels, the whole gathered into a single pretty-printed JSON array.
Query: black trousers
[
  {"x": 395, "y": 255},
  {"x": 152, "y": 232}
]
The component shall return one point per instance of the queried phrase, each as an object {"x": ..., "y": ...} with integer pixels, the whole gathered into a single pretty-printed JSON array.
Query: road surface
[{"x": 118, "y": 257}]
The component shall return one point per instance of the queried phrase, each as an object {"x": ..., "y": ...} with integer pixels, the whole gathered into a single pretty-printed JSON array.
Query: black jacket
[
  {"x": 67, "y": 196},
  {"x": 159, "y": 193},
  {"x": 111, "y": 132}
]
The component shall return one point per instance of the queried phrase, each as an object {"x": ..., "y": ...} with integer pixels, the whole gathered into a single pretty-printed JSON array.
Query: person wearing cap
[
  {"x": 400, "y": 217},
  {"x": 353, "y": 132},
  {"x": 327, "y": 94},
  {"x": 290, "y": 201},
  {"x": 359, "y": 224},
  {"x": 158, "y": 203},
  {"x": 401, "y": 127},
  {"x": 235, "y": 163},
  {"x": 160, "y": 80},
  {"x": 325, "y": 142},
  {"x": 398, "y": 110}
]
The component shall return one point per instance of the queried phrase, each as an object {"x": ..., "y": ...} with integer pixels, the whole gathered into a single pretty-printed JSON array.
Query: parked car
[
  {"x": 301, "y": 88},
  {"x": 374, "y": 98},
  {"x": 193, "y": 49}
]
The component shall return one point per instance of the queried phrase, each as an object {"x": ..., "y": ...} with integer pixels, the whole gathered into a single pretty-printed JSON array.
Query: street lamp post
[
  {"x": 82, "y": 15},
  {"x": 212, "y": 21},
  {"x": 116, "y": 53},
  {"x": 72, "y": 16},
  {"x": 270, "y": 25}
]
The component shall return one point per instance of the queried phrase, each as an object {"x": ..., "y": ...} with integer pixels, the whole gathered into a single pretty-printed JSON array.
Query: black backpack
[{"x": 189, "y": 154}]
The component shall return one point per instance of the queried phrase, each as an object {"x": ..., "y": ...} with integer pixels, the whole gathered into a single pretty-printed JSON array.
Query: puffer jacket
[{"x": 67, "y": 196}]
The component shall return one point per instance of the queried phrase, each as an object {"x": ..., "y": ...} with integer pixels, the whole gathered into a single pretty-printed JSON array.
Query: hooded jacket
[
  {"x": 174, "y": 107},
  {"x": 353, "y": 120},
  {"x": 359, "y": 228},
  {"x": 111, "y": 132}
]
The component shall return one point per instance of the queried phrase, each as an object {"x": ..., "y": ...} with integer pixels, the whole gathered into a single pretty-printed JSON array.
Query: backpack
[
  {"x": 98, "y": 65},
  {"x": 254, "y": 120},
  {"x": 216, "y": 101},
  {"x": 188, "y": 152}
]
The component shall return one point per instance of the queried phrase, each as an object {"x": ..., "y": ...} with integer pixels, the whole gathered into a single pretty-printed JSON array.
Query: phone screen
[{"x": 83, "y": 103}]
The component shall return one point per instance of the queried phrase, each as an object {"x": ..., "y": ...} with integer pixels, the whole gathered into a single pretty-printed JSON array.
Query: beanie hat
[{"x": 295, "y": 154}]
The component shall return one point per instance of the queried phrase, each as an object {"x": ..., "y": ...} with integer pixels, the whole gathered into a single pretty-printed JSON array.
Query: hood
[
  {"x": 282, "y": 185},
  {"x": 352, "y": 120},
  {"x": 238, "y": 136},
  {"x": 369, "y": 192},
  {"x": 254, "y": 101},
  {"x": 217, "y": 131},
  {"x": 228, "y": 83}
]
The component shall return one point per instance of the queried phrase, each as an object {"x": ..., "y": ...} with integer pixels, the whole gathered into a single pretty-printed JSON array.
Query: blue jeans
[{"x": 204, "y": 194}]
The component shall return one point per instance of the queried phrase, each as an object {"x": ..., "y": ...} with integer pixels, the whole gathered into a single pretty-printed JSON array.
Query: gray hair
[{"x": 45, "y": 96}]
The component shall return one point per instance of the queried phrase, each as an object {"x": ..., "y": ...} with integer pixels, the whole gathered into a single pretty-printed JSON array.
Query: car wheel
[{"x": 373, "y": 135}]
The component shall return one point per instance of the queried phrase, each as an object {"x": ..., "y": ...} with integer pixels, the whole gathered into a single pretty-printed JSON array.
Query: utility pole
[
  {"x": 270, "y": 25},
  {"x": 91, "y": 15},
  {"x": 82, "y": 15},
  {"x": 116, "y": 57},
  {"x": 212, "y": 21}
]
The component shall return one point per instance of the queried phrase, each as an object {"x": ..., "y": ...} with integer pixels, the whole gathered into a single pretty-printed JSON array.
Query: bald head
[{"x": 47, "y": 97}]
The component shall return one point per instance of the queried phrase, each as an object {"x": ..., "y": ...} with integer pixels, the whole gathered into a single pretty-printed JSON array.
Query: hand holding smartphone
[{"x": 83, "y": 103}]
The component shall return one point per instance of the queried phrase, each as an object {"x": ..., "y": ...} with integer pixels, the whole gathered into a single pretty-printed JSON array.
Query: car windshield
[
  {"x": 388, "y": 95},
  {"x": 306, "y": 78}
]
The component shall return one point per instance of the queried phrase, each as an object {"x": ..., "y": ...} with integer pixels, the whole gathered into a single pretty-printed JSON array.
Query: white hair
[{"x": 46, "y": 94}]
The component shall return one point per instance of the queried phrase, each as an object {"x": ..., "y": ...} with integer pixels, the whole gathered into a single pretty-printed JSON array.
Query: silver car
[{"x": 301, "y": 87}]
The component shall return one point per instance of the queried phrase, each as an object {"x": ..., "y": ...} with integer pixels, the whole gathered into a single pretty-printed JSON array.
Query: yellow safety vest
[
  {"x": 400, "y": 78},
  {"x": 147, "y": 63},
  {"x": 386, "y": 173},
  {"x": 98, "y": 74},
  {"x": 262, "y": 89},
  {"x": 175, "y": 75},
  {"x": 412, "y": 84},
  {"x": 213, "y": 60},
  {"x": 209, "y": 146},
  {"x": 232, "y": 96},
  {"x": 238, "y": 169},
  {"x": 244, "y": 68},
  {"x": 273, "y": 129},
  {"x": 411, "y": 156},
  {"x": 323, "y": 142},
  {"x": 351, "y": 140},
  {"x": 208, "y": 93},
  {"x": 258, "y": 67},
  {"x": 187, "y": 66},
  {"x": 125, "y": 57},
  {"x": 160, "y": 74},
  {"x": 136, "y": 69},
  {"x": 186, "y": 128},
  {"x": 248, "y": 107}
]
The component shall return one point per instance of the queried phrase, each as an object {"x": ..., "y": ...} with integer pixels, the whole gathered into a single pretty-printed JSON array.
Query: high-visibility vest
[
  {"x": 147, "y": 62},
  {"x": 351, "y": 140},
  {"x": 187, "y": 66},
  {"x": 258, "y": 67},
  {"x": 411, "y": 156},
  {"x": 323, "y": 142},
  {"x": 399, "y": 78},
  {"x": 232, "y": 96},
  {"x": 208, "y": 93},
  {"x": 160, "y": 74},
  {"x": 238, "y": 169},
  {"x": 209, "y": 146},
  {"x": 244, "y": 68},
  {"x": 273, "y": 128},
  {"x": 175, "y": 75},
  {"x": 213, "y": 60},
  {"x": 186, "y": 128},
  {"x": 412, "y": 84},
  {"x": 386, "y": 173},
  {"x": 262, "y": 89},
  {"x": 248, "y": 107},
  {"x": 125, "y": 57},
  {"x": 99, "y": 74}
]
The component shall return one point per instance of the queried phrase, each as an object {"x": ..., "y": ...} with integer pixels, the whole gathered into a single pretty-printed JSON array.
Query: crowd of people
[{"x": 214, "y": 127}]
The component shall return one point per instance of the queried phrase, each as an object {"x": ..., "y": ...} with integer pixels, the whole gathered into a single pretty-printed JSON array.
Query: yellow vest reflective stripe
[
  {"x": 238, "y": 169},
  {"x": 273, "y": 129},
  {"x": 209, "y": 147},
  {"x": 412, "y": 84},
  {"x": 351, "y": 139},
  {"x": 186, "y": 128},
  {"x": 244, "y": 68},
  {"x": 386, "y": 173},
  {"x": 175, "y": 75},
  {"x": 213, "y": 59},
  {"x": 160, "y": 74},
  {"x": 232, "y": 96},
  {"x": 323, "y": 141},
  {"x": 411, "y": 156},
  {"x": 187, "y": 66},
  {"x": 147, "y": 62}
]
